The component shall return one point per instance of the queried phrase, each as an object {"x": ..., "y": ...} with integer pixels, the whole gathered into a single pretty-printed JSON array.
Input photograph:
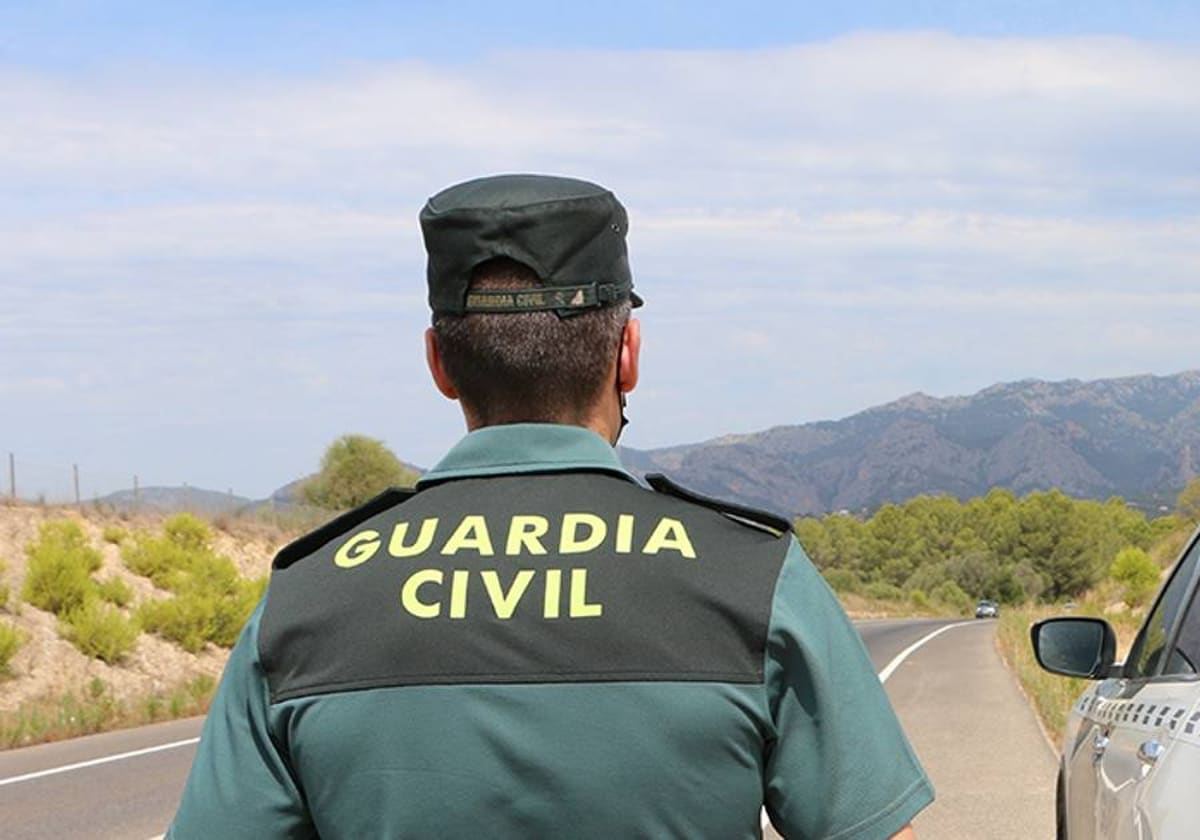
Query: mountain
[
  {"x": 171, "y": 499},
  {"x": 1137, "y": 437}
]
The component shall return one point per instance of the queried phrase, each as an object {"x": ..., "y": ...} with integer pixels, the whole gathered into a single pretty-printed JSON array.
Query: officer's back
[{"x": 533, "y": 644}]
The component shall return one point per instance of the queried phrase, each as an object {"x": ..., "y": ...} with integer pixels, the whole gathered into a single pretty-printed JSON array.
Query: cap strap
[{"x": 560, "y": 298}]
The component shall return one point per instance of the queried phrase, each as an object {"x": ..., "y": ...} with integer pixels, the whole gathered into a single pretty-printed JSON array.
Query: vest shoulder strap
[
  {"x": 752, "y": 517},
  {"x": 334, "y": 528}
]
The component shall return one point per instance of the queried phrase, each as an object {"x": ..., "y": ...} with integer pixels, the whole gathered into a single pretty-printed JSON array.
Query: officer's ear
[
  {"x": 433, "y": 357},
  {"x": 631, "y": 350}
]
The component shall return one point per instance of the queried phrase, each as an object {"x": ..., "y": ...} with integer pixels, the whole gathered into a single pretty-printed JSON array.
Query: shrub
[
  {"x": 918, "y": 599},
  {"x": 11, "y": 639},
  {"x": 842, "y": 580},
  {"x": 188, "y": 532},
  {"x": 950, "y": 594},
  {"x": 188, "y": 621},
  {"x": 58, "y": 577},
  {"x": 100, "y": 630},
  {"x": 1137, "y": 575},
  {"x": 883, "y": 591},
  {"x": 115, "y": 591},
  {"x": 156, "y": 558},
  {"x": 114, "y": 534},
  {"x": 210, "y": 601},
  {"x": 202, "y": 613}
]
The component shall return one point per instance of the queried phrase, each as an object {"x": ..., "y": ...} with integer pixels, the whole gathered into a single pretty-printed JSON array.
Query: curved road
[{"x": 993, "y": 770}]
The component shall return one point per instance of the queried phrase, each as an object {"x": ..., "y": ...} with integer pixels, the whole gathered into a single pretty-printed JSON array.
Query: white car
[{"x": 1130, "y": 763}]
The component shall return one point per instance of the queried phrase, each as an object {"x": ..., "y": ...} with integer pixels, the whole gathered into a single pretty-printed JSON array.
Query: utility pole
[{"x": 75, "y": 470}]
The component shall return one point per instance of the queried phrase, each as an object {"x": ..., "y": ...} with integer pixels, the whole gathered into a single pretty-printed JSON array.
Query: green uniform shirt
[{"x": 536, "y": 646}]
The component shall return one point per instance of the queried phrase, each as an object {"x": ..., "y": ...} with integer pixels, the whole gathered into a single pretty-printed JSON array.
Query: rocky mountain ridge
[{"x": 1137, "y": 437}]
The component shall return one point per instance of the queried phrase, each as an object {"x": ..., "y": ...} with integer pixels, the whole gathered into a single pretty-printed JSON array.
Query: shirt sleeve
[
  {"x": 839, "y": 766},
  {"x": 240, "y": 785}
]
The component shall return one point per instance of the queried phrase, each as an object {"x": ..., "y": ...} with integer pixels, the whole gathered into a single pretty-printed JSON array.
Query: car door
[{"x": 1149, "y": 725}]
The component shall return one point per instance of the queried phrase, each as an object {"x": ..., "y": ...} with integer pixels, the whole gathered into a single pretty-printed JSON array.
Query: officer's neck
[{"x": 603, "y": 418}]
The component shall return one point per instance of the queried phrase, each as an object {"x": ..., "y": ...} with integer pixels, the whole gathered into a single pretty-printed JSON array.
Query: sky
[{"x": 210, "y": 265}]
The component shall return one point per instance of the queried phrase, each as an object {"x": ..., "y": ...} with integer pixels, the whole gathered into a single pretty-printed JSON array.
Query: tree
[
  {"x": 1187, "y": 505},
  {"x": 354, "y": 469},
  {"x": 1137, "y": 574}
]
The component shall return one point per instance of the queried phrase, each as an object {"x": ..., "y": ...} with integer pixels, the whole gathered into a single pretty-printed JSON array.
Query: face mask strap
[{"x": 620, "y": 393}]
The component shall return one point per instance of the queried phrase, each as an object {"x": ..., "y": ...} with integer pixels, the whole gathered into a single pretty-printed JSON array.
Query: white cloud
[{"x": 815, "y": 228}]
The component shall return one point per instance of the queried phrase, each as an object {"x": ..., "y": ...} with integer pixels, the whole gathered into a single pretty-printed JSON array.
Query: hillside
[
  {"x": 1137, "y": 437},
  {"x": 47, "y": 666}
]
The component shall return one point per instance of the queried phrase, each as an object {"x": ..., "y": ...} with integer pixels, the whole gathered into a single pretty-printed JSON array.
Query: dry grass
[
  {"x": 96, "y": 709},
  {"x": 1052, "y": 696}
]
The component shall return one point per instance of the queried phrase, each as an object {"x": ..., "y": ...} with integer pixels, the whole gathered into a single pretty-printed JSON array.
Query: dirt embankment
[{"x": 48, "y": 666}]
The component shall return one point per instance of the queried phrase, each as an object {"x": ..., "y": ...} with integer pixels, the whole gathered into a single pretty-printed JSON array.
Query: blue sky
[{"x": 212, "y": 265}]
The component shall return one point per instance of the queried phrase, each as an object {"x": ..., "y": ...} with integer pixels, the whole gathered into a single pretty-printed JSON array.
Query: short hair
[{"x": 530, "y": 367}]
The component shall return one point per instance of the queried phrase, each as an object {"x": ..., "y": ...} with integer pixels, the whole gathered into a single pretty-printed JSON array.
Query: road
[{"x": 993, "y": 770}]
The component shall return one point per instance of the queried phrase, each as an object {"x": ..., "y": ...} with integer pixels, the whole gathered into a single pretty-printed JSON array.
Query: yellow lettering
[
  {"x": 526, "y": 532},
  {"x": 553, "y": 593},
  {"x": 471, "y": 533},
  {"x": 505, "y": 603},
  {"x": 409, "y": 593},
  {"x": 396, "y": 546},
  {"x": 570, "y": 542},
  {"x": 458, "y": 593},
  {"x": 624, "y": 533},
  {"x": 357, "y": 550},
  {"x": 670, "y": 533},
  {"x": 580, "y": 608}
]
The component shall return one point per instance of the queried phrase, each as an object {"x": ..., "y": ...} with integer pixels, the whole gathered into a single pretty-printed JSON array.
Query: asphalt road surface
[{"x": 974, "y": 732}]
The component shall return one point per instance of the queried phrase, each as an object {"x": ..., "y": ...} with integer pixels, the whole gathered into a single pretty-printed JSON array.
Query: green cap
[{"x": 571, "y": 233}]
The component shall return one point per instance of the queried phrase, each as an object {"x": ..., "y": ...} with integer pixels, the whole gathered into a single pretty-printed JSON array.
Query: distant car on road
[
  {"x": 1131, "y": 751},
  {"x": 987, "y": 609}
]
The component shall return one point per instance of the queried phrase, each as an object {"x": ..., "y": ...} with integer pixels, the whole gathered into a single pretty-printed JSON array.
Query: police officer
[{"x": 532, "y": 644}]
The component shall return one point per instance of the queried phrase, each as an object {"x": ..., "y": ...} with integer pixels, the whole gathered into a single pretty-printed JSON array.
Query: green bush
[
  {"x": 918, "y": 599},
  {"x": 1137, "y": 575},
  {"x": 187, "y": 620},
  {"x": 114, "y": 534},
  {"x": 202, "y": 613},
  {"x": 61, "y": 562},
  {"x": 188, "y": 532},
  {"x": 166, "y": 563},
  {"x": 883, "y": 591},
  {"x": 950, "y": 594},
  {"x": 100, "y": 630},
  {"x": 210, "y": 601},
  {"x": 115, "y": 591},
  {"x": 11, "y": 639},
  {"x": 842, "y": 580}
]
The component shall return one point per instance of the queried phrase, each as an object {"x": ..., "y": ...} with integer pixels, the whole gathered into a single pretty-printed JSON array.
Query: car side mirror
[{"x": 1074, "y": 647}]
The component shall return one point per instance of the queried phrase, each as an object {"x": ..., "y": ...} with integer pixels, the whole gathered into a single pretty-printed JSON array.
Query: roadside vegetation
[
  {"x": 930, "y": 556},
  {"x": 59, "y": 579},
  {"x": 1042, "y": 555},
  {"x": 210, "y": 601},
  {"x": 96, "y": 709},
  {"x": 1044, "y": 547},
  {"x": 192, "y": 597}
]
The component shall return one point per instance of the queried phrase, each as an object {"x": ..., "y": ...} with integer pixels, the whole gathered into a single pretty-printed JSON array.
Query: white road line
[
  {"x": 66, "y": 768},
  {"x": 908, "y": 651}
]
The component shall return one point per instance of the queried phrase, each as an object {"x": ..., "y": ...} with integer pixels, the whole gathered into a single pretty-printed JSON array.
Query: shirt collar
[{"x": 526, "y": 448}]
